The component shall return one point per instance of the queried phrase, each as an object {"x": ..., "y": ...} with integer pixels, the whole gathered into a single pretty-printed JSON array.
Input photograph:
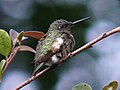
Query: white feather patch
[
  {"x": 57, "y": 44},
  {"x": 110, "y": 88},
  {"x": 54, "y": 59}
]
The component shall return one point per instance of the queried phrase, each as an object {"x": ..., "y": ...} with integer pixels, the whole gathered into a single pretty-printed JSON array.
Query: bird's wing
[{"x": 46, "y": 48}]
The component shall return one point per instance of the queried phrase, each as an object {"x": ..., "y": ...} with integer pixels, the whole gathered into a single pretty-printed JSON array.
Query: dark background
[{"x": 94, "y": 66}]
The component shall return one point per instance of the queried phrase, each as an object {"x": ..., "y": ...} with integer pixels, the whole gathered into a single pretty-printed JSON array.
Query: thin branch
[
  {"x": 90, "y": 44},
  {"x": 12, "y": 55},
  {"x": 86, "y": 46},
  {"x": 32, "y": 78}
]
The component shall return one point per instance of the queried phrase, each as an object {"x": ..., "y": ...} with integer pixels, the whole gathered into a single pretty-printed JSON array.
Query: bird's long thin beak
[{"x": 75, "y": 22}]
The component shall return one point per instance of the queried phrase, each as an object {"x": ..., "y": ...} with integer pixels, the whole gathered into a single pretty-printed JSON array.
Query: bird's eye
[
  {"x": 59, "y": 27},
  {"x": 63, "y": 26}
]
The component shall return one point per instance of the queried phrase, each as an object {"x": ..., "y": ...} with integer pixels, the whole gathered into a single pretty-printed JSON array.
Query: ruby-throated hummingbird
[{"x": 55, "y": 45}]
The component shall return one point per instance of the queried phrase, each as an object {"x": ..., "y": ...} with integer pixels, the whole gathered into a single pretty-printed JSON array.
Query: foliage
[
  {"x": 111, "y": 86},
  {"x": 2, "y": 64},
  {"x": 82, "y": 86},
  {"x": 5, "y": 45}
]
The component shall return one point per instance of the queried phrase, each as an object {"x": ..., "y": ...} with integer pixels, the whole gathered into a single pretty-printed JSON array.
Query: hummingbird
[{"x": 57, "y": 43}]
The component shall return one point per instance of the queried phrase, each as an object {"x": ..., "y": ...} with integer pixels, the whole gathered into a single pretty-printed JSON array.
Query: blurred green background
[{"x": 37, "y": 15}]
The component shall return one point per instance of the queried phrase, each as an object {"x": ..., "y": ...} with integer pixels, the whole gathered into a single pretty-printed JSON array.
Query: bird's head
[{"x": 63, "y": 25}]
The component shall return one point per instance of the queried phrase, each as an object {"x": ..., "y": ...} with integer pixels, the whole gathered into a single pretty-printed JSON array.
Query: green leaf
[
  {"x": 5, "y": 43},
  {"x": 111, "y": 86},
  {"x": 82, "y": 86},
  {"x": 20, "y": 36},
  {"x": 2, "y": 64}
]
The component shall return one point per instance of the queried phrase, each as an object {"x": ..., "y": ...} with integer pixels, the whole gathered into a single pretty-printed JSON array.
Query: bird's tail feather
[{"x": 39, "y": 68}]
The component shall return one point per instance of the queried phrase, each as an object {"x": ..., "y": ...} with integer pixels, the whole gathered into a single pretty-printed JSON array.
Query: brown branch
[
  {"x": 11, "y": 56},
  {"x": 86, "y": 46},
  {"x": 90, "y": 44},
  {"x": 32, "y": 78}
]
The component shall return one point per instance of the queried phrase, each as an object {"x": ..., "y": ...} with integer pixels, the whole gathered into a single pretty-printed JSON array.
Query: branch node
[
  {"x": 104, "y": 34},
  {"x": 70, "y": 55},
  {"x": 91, "y": 46}
]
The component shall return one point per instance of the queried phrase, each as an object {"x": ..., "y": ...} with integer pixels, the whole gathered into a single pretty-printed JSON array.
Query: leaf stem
[
  {"x": 32, "y": 78},
  {"x": 11, "y": 56}
]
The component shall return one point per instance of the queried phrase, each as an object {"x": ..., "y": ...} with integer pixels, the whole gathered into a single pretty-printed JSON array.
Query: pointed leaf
[
  {"x": 111, "y": 86},
  {"x": 2, "y": 64},
  {"x": 34, "y": 34},
  {"x": 25, "y": 48},
  {"x": 82, "y": 86},
  {"x": 5, "y": 43},
  {"x": 13, "y": 34},
  {"x": 20, "y": 36},
  {"x": 0, "y": 76}
]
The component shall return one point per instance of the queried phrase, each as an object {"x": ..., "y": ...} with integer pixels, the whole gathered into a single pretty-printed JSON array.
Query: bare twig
[
  {"x": 90, "y": 44},
  {"x": 32, "y": 78},
  {"x": 86, "y": 46}
]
